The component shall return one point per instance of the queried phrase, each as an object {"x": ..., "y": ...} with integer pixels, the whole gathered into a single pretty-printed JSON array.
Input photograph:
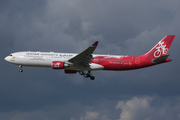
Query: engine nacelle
[
  {"x": 57, "y": 65},
  {"x": 70, "y": 71}
]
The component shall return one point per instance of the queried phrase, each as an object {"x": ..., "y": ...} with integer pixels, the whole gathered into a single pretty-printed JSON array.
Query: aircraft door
[{"x": 137, "y": 60}]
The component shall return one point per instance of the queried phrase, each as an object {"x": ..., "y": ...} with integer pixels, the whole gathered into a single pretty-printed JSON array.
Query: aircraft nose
[{"x": 7, "y": 58}]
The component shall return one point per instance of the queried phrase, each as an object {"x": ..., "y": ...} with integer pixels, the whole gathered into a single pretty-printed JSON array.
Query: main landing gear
[
  {"x": 86, "y": 75},
  {"x": 20, "y": 70}
]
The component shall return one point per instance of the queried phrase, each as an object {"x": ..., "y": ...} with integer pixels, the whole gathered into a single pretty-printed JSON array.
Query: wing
[{"x": 85, "y": 57}]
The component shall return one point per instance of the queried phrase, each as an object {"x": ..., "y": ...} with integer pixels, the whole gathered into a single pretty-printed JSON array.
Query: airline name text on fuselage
[{"x": 49, "y": 54}]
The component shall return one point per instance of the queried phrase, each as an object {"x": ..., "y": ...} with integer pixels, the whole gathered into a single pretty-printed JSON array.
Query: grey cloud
[
  {"x": 93, "y": 116},
  {"x": 138, "y": 108},
  {"x": 141, "y": 108},
  {"x": 121, "y": 27}
]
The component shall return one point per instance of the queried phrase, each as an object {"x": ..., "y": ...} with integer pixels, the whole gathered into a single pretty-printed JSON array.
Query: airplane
[{"x": 86, "y": 61}]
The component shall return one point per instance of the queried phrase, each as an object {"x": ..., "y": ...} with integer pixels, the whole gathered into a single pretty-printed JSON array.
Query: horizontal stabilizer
[{"x": 160, "y": 59}]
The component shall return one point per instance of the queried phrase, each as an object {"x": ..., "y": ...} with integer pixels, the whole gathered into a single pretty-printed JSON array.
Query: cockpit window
[{"x": 10, "y": 55}]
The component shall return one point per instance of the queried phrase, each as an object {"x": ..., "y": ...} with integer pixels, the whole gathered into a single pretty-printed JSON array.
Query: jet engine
[
  {"x": 57, "y": 65},
  {"x": 70, "y": 71}
]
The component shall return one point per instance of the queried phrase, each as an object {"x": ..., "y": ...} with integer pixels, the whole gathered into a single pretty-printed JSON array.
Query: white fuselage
[
  {"x": 39, "y": 59},
  {"x": 86, "y": 61},
  {"x": 44, "y": 59}
]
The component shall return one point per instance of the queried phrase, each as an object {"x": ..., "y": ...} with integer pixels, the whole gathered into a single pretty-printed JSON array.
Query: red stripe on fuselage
[
  {"x": 115, "y": 63},
  {"x": 124, "y": 62}
]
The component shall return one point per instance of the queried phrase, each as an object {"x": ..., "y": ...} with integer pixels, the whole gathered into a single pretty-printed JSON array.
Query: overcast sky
[{"x": 122, "y": 27}]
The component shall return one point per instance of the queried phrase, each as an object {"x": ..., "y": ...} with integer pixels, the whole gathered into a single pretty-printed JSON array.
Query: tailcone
[{"x": 168, "y": 60}]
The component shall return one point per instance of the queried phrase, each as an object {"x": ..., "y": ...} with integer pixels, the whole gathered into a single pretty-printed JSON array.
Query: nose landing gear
[{"x": 20, "y": 70}]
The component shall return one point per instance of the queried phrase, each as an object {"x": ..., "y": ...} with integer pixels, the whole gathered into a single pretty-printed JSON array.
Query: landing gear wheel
[
  {"x": 86, "y": 75},
  {"x": 81, "y": 72},
  {"x": 92, "y": 77},
  {"x": 20, "y": 70}
]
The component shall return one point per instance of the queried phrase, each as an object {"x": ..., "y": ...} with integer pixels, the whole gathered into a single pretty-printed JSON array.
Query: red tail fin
[{"x": 161, "y": 48}]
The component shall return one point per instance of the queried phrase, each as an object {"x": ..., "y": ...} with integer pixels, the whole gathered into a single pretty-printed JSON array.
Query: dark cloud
[{"x": 121, "y": 27}]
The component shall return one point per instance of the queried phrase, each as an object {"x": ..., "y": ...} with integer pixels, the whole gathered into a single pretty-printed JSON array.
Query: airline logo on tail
[{"x": 161, "y": 49}]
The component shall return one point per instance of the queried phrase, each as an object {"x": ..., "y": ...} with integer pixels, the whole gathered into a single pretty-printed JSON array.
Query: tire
[
  {"x": 21, "y": 70},
  {"x": 81, "y": 72},
  {"x": 86, "y": 75},
  {"x": 92, "y": 77}
]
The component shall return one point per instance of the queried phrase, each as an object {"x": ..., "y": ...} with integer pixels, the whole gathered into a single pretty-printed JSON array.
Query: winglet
[{"x": 95, "y": 44}]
